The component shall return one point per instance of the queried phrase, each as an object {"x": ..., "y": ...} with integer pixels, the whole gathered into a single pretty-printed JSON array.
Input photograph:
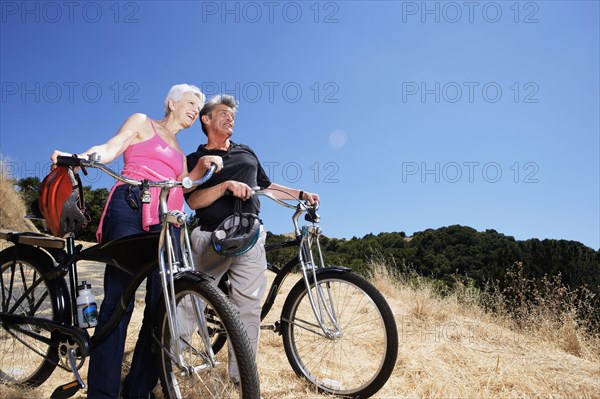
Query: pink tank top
[
  {"x": 154, "y": 155},
  {"x": 154, "y": 160}
]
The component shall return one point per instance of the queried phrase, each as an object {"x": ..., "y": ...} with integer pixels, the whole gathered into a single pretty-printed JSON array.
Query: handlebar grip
[
  {"x": 187, "y": 182},
  {"x": 68, "y": 161},
  {"x": 229, "y": 193}
]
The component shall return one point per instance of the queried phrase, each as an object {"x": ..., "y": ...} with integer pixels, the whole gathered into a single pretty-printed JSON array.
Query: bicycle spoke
[
  {"x": 26, "y": 354},
  {"x": 29, "y": 346},
  {"x": 203, "y": 374},
  {"x": 300, "y": 323},
  {"x": 326, "y": 357}
]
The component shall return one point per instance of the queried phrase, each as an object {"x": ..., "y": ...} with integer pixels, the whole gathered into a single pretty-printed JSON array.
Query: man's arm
[
  {"x": 287, "y": 193},
  {"x": 207, "y": 196}
]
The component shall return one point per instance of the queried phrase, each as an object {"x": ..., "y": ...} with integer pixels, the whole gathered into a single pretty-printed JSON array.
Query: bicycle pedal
[
  {"x": 66, "y": 391},
  {"x": 275, "y": 327}
]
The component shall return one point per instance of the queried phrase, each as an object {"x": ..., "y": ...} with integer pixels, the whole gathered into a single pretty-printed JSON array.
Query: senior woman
[{"x": 150, "y": 151}]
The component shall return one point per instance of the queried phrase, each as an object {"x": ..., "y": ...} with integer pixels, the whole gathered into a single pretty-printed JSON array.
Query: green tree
[
  {"x": 96, "y": 199},
  {"x": 28, "y": 188}
]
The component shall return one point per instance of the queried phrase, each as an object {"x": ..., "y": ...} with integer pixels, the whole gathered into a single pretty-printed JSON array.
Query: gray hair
[
  {"x": 179, "y": 90},
  {"x": 224, "y": 99}
]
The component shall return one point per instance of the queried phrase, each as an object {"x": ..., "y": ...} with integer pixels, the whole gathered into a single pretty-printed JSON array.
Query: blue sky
[{"x": 402, "y": 115}]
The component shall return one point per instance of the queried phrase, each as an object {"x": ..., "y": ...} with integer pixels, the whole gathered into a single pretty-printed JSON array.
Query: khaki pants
[{"x": 247, "y": 275}]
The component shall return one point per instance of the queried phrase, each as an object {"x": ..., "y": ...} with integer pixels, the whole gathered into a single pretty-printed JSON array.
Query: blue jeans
[{"x": 106, "y": 357}]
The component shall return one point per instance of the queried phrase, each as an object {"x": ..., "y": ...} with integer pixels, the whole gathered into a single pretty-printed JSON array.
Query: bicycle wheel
[
  {"x": 220, "y": 339},
  {"x": 24, "y": 360},
  {"x": 355, "y": 360},
  {"x": 200, "y": 378}
]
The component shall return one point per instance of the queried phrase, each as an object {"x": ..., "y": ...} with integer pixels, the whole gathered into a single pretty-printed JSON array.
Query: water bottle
[{"x": 87, "y": 311}]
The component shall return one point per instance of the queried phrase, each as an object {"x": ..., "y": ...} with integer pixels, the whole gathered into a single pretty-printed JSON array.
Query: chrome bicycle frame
[
  {"x": 321, "y": 300},
  {"x": 169, "y": 265}
]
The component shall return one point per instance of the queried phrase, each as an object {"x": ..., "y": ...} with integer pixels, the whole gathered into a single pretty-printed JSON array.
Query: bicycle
[
  {"x": 338, "y": 331},
  {"x": 39, "y": 325}
]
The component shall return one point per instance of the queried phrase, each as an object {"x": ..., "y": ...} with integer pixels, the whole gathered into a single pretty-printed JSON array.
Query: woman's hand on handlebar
[
  {"x": 57, "y": 154},
  {"x": 208, "y": 160},
  {"x": 66, "y": 159},
  {"x": 203, "y": 165}
]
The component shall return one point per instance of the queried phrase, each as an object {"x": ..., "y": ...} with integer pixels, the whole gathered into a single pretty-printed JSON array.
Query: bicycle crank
[
  {"x": 69, "y": 389},
  {"x": 64, "y": 349}
]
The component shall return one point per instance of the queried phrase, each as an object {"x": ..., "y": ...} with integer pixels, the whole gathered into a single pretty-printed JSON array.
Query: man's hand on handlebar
[
  {"x": 312, "y": 198},
  {"x": 238, "y": 189}
]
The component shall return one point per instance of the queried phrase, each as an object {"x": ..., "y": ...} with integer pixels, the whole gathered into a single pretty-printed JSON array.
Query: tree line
[
  {"x": 447, "y": 252},
  {"x": 493, "y": 263},
  {"x": 442, "y": 254}
]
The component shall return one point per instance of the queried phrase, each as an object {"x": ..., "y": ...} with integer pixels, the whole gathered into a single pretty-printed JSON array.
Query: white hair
[
  {"x": 179, "y": 90},
  {"x": 225, "y": 99}
]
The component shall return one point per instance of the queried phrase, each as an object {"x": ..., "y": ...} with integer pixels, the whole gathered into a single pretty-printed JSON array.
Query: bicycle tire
[
  {"x": 25, "y": 361},
  {"x": 355, "y": 364},
  {"x": 219, "y": 339},
  {"x": 213, "y": 381}
]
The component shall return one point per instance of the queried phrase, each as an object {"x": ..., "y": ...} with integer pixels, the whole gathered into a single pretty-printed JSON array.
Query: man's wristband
[{"x": 301, "y": 195}]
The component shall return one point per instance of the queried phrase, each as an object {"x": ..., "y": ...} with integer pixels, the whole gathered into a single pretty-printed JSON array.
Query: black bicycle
[
  {"x": 39, "y": 328},
  {"x": 338, "y": 331}
]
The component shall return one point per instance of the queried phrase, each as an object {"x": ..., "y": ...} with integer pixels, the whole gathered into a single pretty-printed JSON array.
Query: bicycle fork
[
  {"x": 321, "y": 302},
  {"x": 198, "y": 305},
  {"x": 170, "y": 264}
]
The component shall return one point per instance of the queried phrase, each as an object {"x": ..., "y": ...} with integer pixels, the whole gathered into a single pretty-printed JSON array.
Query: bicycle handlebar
[
  {"x": 90, "y": 163},
  {"x": 302, "y": 207},
  {"x": 302, "y": 204}
]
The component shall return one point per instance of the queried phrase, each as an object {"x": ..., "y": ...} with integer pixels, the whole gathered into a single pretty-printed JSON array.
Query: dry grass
[
  {"x": 449, "y": 347},
  {"x": 12, "y": 208},
  {"x": 549, "y": 310}
]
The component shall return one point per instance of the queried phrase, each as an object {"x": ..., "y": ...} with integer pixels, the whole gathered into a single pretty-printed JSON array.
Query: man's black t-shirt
[{"x": 241, "y": 164}]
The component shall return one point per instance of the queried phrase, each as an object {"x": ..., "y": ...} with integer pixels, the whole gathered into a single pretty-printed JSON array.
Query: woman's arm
[{"x": 114, "y": 147}]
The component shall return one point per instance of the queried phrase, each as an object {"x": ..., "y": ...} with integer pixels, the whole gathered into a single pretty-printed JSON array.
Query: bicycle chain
[{"x": 34, "y": 350}]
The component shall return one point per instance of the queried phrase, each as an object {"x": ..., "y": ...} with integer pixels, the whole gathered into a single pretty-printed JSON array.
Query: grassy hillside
[
  {"x": 449, "y": 347},
  {"x": 506, "y": 342},
  {"x": 12, "y": 208}
]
